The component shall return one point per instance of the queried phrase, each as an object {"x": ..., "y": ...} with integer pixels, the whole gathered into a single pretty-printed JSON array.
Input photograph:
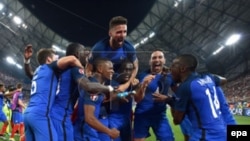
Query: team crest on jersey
[
  {"x": 93, "y": 97},
  {"x": 81, "y": 71}
]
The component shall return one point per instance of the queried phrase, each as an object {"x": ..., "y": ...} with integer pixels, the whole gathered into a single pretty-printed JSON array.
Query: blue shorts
[
  {"x": 186, "y": 126},
  {"x": 219, "y": 135},
  {"x": 123, "y": 124},
  {"x": 90, "y": 134},
  {"x": 158, "y": 123},
  {"x": 104, "y": 136},
  {"x": 17, "y": 117},
  {"x": 3, "y": 117},
  {"x": 39, "y": 128},
  {"x": 78, "y": 130},
  {"x": 64, "y": 129}
]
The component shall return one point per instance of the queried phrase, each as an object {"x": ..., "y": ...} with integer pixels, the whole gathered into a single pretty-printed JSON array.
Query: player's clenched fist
[
  {"x": 114, "y": 133},
  {"x": 28, "y": 52}
]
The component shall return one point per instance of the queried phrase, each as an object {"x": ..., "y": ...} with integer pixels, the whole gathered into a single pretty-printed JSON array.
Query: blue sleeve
[
  {"x": 130, "y": 51},
  {"x": 77, "y": 73},
  {"x": 88, "y": 100},
  {"x": 182, "y": 97},
  {"x": 226, "y": 114},
  {"x": 20, "y": 96},
  {"x": 54, "y": 66},
  {"x": 96, "y": 51},
  {"x": 216, "y": 80}
]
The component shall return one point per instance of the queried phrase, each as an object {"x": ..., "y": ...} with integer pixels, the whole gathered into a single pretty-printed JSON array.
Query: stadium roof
[{"x": 200, "y": 27}]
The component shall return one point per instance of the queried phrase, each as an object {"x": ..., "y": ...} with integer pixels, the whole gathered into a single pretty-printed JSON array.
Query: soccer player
[
  {"x": 67, "y": 93},
  {"x": 116, "y": 48},
  {"x": 197, "y": 98},
  {"x": 37, "y": 120},
  {"x": 119, "y": 115},
  {"x": 90, "y": 104},
  {"x": 225, "y": 111},
  {"x": 17, "y": 106},
  {"x": 3, "y": 117},
  {"x": 150, "y": 112}
]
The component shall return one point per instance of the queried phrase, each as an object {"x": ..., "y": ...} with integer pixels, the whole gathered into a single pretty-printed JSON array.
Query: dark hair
[
  {"x": 123, "y": 65},
  {"x": 43, "y": 54},
  {"x": 97, "y": 62},
  {"x": 19, "y": 85},
  {"x": 73, "y": 48},
  {"x": 189, "y": 60},
  {"x": 118, "y": 20},
  {"x": 159, "y": 49},
  {"x": 1, "y": 85}
]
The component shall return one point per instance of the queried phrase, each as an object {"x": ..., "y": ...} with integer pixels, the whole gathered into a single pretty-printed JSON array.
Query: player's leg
[
  {"x": 16, "y": 118},
  {"x": 3, "y": 119},
  {"x": 141, "y": 127},
  {"x": 64, "y": 130},
  {"x": 42, "y": 127},
  {"x": 162, "y": 128}
]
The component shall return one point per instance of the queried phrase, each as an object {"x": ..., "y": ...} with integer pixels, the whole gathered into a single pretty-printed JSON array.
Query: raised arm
[
  {"x": 93, "y": 87},
  {"x": 28, "y": 52},
  {"x": 68, "y": 61}
]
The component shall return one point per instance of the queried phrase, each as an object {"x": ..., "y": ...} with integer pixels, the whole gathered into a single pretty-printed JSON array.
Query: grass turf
[{"x": 176, "y": 129}]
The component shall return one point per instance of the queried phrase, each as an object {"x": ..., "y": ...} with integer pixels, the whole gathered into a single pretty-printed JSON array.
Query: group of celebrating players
[{"x": 88, "y": 94}]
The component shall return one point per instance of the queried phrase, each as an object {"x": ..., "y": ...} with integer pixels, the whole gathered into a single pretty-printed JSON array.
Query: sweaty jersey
[
  {"x": 102, "y": 49},
  {"x": 67, "y": 93},
  {"x": 160, "y": 84},
  {"x": 43, "y": 89},
  {"x": 197, "y": 97}
]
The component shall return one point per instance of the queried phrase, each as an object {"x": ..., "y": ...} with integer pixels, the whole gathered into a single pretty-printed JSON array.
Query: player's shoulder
[
  {"x": 128, "y": 45},
  {"x": 101, "y": 44}
]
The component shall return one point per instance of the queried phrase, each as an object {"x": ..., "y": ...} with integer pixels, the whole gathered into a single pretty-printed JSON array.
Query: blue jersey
[
  {"x": 67, "y": 93},
  {"x": 161, "y": 84},
  {"x": 102, "y": 49},
  {"x": 225, "y": 111},
  {"x": 43, "y": 89},
  {"x": 226, "y": 114},
  {"x": 197, "y": 97},
  {"x": 96, "y": 101},
  {"x": 1, "y": 100}
]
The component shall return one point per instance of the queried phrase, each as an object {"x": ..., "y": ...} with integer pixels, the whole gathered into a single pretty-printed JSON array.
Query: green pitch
[{"x": 176, "y": 129}]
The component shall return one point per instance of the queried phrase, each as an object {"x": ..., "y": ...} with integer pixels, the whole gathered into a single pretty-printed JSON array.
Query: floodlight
[
  {"x": 232, "y": 39},
  {"x": 1, "y": 6},
  {"x": 218, "y": 50},
  {"x": 19, "y": 66},
  {"x": 58, "y": 49},
  {"x": 10, "y": 60},
  {"x": 136, "y": 45},
  {"x": 17, "y": 20},
  {"x": 151, "y": 35}
]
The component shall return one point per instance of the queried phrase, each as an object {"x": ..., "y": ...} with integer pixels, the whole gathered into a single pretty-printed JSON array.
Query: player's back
[
  {"x": 204, "y": 109},
  {"x": 63, "y": 105},
  {"x": 43, "y": 89}
]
